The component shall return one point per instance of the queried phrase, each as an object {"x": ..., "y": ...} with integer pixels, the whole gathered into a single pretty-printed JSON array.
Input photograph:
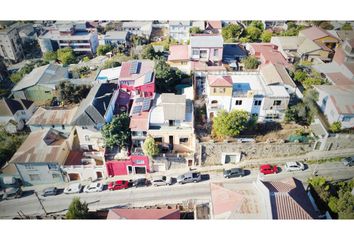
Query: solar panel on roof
[
  {"x": 146, "y": 104},
  {"x": 136, "y": 109},
  {"x": 148, "y": 77},
  {"x": 134, "y": 67}
]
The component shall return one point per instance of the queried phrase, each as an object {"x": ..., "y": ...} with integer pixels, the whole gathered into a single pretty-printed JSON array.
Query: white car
[
  {"x": 93, "y": 187},
  {"x": 73, "y": 188},
  {"x": 158, "y": 182},
  {"x": 294, "y": 166}
]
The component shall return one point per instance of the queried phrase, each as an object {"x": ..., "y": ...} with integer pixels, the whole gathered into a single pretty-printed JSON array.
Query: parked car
[
  {"x": 118, "y": 185},
  {"x": 141, "y": 182},
  {"x": 12, "y": 193},
  {"x": 268, "y": 169},
  {"x": 73, "y": 188},
  {"x": 189, "y": 177},
  {"x": 348, "y": 161},
  {"x": 51, "y": 191},
  {"x": 294, "y": 166},
  {"x": 93, "y": 187},
  {"x": 159, "y": 182},
  {"x": 234, "y": 172}
]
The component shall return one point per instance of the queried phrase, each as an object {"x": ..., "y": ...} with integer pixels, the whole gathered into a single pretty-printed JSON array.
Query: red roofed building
[
  {"x": 151, "y": 214},
  {"x": 134, "y": 164},
  {"x": 267, "y": 53}
]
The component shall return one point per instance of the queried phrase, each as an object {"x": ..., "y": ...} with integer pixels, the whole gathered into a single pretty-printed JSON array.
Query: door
[
  {"x": 171, "y": 142},
  {"x": 140, "y": 170},
  {"x": 130, "y": 169}
]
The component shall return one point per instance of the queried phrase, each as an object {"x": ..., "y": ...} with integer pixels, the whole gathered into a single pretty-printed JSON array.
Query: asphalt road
[{"x": 29, "y": 204}]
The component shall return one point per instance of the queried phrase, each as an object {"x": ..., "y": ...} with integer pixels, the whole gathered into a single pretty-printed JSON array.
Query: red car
[
  {"x": 117, "y": 185},
  {"x": 268, "y": 169}
]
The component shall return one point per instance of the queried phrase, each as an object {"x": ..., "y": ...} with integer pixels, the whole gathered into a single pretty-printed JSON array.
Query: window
[
  {"x": 53, "y": 126},
  {"x": 171, "y": 122},
  {"x": 214, "y": 90},
  {"x": 87, "y": 138},
  {"x": 46, "y": 91},
  {"x": 84, "y": 127},
  {"x": 158, "y": 140},
  {"x": 34, "y": 177},
  {"x": 195, "y": 52},
  {"x": 203, "y": 54},
  {"x": 52, "y": 166},
  {"x": 257, "y": 102},
  {"x": 277, "y": 103},
  {"x": 238, "y": 102},
  {"x": 347, "y": 118},
  {"x": 183, "y": 140},
  {"x": 222, "y": 90},
  {"x": 214, "y": 102},
  {"x": 215, "y": 52},
  {"x": 254, "y": 114},
  {"x": 62, "y": 127},
  {"x": 29, "y": 167},
  {"x": 56, "y": 176}
]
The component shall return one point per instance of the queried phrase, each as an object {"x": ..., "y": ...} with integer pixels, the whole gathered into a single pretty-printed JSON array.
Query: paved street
[{"x": 157, "y": 195}]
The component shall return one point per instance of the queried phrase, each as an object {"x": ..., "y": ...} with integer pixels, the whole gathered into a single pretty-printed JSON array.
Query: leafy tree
[
  {"x": 86, "y": 59},
  {"x": 258, "y": 24},
  {"x": 230, "y": 124},
  {"x": 293, "y": 29},
  {"x": 244, "y": 40},
  {"x": 195, "y": 30},
  {"x": 266, "y": 36},
  {"x": 253, "y": 33},
  {"x": 77, "y": 210},
  {"x": 103, "y": 49},
  {"x": 336, "y": 127},
  {"x": 16, "y": 77},
  {"x": 116, "y": 61},
  {"x": 148, "y": 52},
  {"x": 232, "y": 31},
  {"x": 9, "y": 144},
  {"x": 70, "y": 93},
  {"x": 347, "y": 26},
  {"x": 66, "y": 56},
  {"x": 309, "y": 82},
  {"x": 250, "y": 62},
  {"x": 150, "y": 148},
  {"x": 117, "y": 133},
  {"x": 300, "y": 75},
  {"x": 321, "y": 186},
  {"x": 50, "y": 56}
]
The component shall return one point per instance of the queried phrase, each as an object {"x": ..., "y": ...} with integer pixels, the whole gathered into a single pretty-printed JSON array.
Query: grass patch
[{"x": 335, "y": 159}]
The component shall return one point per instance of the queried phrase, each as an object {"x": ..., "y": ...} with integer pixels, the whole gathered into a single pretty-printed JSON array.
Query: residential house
[
  {"x": 116, "y": 38},
  {"x": 248, "y": 91},
  {"x": 55, "y": 118},
  {"x": 267, "y": 53},
  {"x": 27, "y": 33},
  {"x": 128, "y": 165},
  {"x": 320, "y": 37},
  {"x": 139, "y": 28},
  {"x": 233, "y": 54},
  {"x": 69, "y": 34},
  {"x": 15, "y": 113},
  {"x": 10, "y": 43},
  {"x": 213, "y": 27},
  {"x": 179, "y": 30},
  {"x": 284, "y": 199},
  {"x": 288, "y": 46},
  {"x": 98, "y": 107},
  {"x": 337, "y": 103},
  {"x": 109, "y": 75},
  {"x": 39, "y": 85},
  {"x": 275, "y": 25},
  {"x": 171, "y": 123},
  {"x": 39, "y": 158},
  {"x": 179, "y": 58},
  {"x": 151, "y": 214}
]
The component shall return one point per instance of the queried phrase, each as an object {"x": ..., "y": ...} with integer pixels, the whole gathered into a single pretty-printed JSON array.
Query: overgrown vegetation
[
  {"x": 116, "y": 61},
  {"x": 70, "y": 93},
  {"x": 292, "y": 30},
  {"x": 117, "y": 132},
  {"x": 66, "y": 56},
  {"x": 250, "y": 62},
  {"x": 104, "y": 49},
  {"x": 77, "y": 210},
  {"x": 150, "y": 148},
  {"x": 9, "y": 144}
]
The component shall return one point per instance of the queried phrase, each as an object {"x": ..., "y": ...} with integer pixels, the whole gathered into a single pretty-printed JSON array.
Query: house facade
[
  {"x": 11, "y": 44},
  {"x": 139, "y": 28},
  {"x": 116, "y": 38},
  {"x": 179, "y": 30}
]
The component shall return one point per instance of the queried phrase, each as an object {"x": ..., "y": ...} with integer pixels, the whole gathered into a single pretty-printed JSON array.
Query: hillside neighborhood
[{"x": 177, "y": 119}]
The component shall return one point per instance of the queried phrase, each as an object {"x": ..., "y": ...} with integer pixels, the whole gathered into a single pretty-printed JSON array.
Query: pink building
[
  {"x": 267, "y": 53},
  {"x": 134, "y": 165}
]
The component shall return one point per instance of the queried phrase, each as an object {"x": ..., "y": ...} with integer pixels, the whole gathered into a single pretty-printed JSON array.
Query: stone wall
[
  {"x": 210, "y": 153},
  {"x": 339, "y": 141}
]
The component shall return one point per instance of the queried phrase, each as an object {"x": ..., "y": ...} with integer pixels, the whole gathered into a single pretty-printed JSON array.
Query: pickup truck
[{"x": 189, "y": 177}]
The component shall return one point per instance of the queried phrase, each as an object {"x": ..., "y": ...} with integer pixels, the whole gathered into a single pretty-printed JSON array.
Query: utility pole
[{"x": 40, "y": 202}]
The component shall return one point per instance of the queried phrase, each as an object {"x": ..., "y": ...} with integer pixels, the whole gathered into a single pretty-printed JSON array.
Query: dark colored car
[
  {"x": 268, "y": 169},
  {"x": 51, "y": 191},
  {"x": 141, "y": 182},
  {"x": 348, "y": 161},
  {"x": 117, "y": 185},
  {"x": 234, "y": 172}
]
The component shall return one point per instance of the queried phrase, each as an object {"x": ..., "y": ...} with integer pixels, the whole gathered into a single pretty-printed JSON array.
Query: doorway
[
  {"x": 99, "y": 175},
  {"x": 171, "y": 142},
  {"x": 140, "y": 170},
  {"x": 130, "y": 169}
]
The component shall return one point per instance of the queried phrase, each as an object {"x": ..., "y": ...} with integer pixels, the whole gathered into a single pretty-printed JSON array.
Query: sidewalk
[{"x": 317, "y": 155}]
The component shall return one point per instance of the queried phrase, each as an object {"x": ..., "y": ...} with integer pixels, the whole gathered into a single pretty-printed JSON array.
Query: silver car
[
  {"x": 158, "y": 182},
  {"x": 294, "y": 166}
]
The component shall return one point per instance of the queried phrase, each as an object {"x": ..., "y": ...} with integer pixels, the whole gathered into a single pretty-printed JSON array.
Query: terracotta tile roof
[
  {"x": 178, "y": 52},
  {"x": 314, "y": 33},
  {"x": 214, "y": 24},
  {"x": 268, "y": 53},
  {"x": 139, "y": 122},
  {"x": 339, "y": 79},
  {"x": 143, "y": 214},
  {"x": 339, "y": 55},
  {"x": 220, "y": 81}
]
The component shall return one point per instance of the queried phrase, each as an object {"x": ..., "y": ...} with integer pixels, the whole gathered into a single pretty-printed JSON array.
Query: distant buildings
[
  {"x": 116, "y": 38},
  {"x": 70, "y": 34},
  {"x": 139, "y": 28},
  {"x": 10, "y": 43},
  {"x": 179, "y": 30}
]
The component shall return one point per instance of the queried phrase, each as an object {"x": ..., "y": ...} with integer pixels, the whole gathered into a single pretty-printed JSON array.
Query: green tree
[
  {"x": 266, "y": 36},
  {"x": 253, "y": 33},
  {"x": 293, "y": 29},
  {"x": 86, "y": 59},
  {"x": 230, "y": 124},
  {"x": 103, "y": 49},
  {"x": 195, "y": 30},
  {"x": 9, "y": 145},
  {"x": 16, "y": 77},
  {"x": 77, "y": 210},
  {"x": 347, "y": 26},
  {"x": 148, "y": 52},
  {"x": 232, "y": 32},
  {"x": 116, "y": 61},
  {"x": 300, "y": 75},
  {"x": 244, "y": 40},
  {"x": 321, "y": 186},
  {"x": 66, "y": 56},
  {"x": 311, "y": 81},
  {"x": 117, "y": 132},
  {"x": 250, "y": 62},
  {"x": 70, "y": 93},
  {"x": 50, "y": 56},
  {"x": 150, "y": 148},
  {"x": 336, "y": 127},
  {"x": 258, "y": 24}
]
